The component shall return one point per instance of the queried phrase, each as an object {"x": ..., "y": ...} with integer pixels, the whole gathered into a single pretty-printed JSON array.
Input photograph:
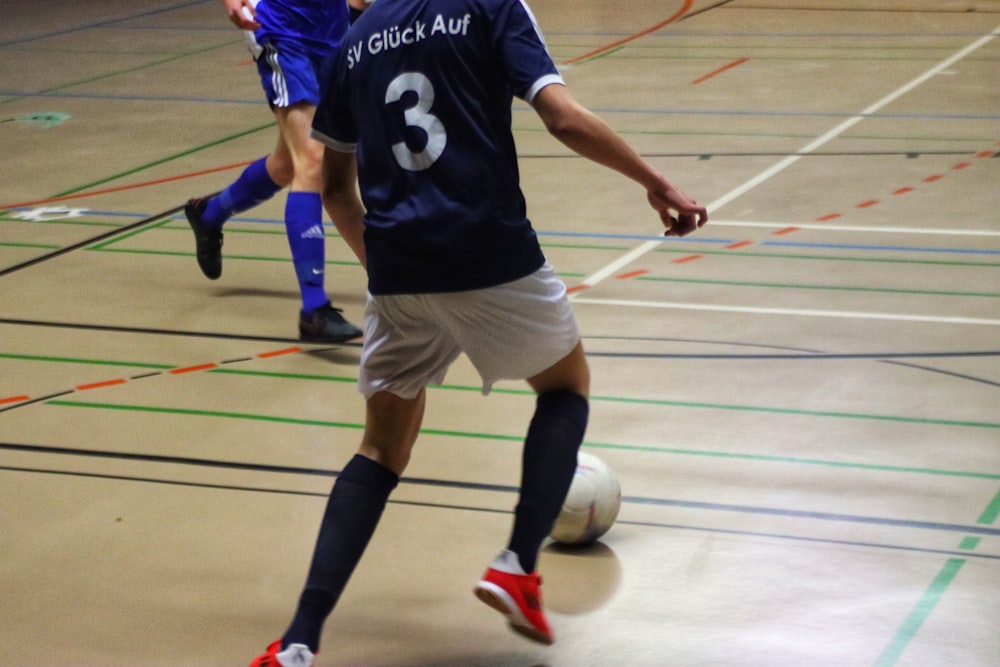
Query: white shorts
[{"x": 512, "y": 331}]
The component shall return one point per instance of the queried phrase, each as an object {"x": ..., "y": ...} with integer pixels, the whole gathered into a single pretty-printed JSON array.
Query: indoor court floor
[{"x": 802, "y": 401}]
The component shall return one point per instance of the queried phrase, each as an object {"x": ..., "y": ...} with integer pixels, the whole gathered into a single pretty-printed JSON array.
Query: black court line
[
  {"x": 424, "y": 481},
  {"x": 490, "y": 510},
  {"x": 178, "y": 332},
  {"x": 82, "y": 244}
]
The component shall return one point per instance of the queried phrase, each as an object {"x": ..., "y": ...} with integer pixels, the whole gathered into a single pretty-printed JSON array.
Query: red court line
[
  {"x": 98, "y": 385},
  {"x": 278, "y": 353},
  {"x": 735, "y": 63},
  {"x": 903, "y": 191},
  {"x": 738, "y": 244},
  {"x": 121, "y": 188},
  {"x": 689, "y": 258},
  {"x": 962, "y": 165},
  {"x": 786, "y": 230},
  {"x": 175, "y": 371},
  {"x": 867, "y": 204},
  {"x": 192, "y": 369},
  {"x": 832, "y": 216},
  {"x": 935, "y": 177},
  {"x": 633, "y": 274},
  {"x": 578, "y": 288},
  {"x": 604, "y": 49},
  {"x": 985, "y": 154}
]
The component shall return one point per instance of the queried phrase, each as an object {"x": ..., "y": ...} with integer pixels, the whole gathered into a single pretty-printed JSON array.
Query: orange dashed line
[
  {"x": 278, "y": 353},
  {"x": 735, "y": 63},
  {"x": 867, "y": 204},
  {"x": 935, "y": 177},
  {"x": 738, "y": 244},
  {"x": 903, "y": 191},
  {"x": 192, "y": 369},
  {"x": 578, "y": 288},
  {"x": 98, "y": 385},
  {"x": 984, "y": 154},
  {"x": 13, "y": 399},
  {"x": 689, "y": 258},
  {"x": 633, "y": 274},
  {"x": 825, "y": 218},
  {"x": 962, "y": 165},
  {"x": 786, "y": 230}
]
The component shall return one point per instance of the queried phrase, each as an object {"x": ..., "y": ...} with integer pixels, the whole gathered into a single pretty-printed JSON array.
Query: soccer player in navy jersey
[
  {"x": 292, "y": 41},
  {"x": 419, "y": 108}
]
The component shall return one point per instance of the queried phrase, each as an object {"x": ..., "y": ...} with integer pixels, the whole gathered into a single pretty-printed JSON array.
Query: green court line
[
  {"x": 836, "y": 288},
  {"x": 229, "y": 257},
  {"x": 128, "y": 235},
  {"x": 912, "y": 624},
  {"x": 33, "y": 246},
  {"x": 78, "y": 360},
  {"x": 969, "y": 543},
  {"x": 165, "y": 160},
  {"x": 518, "y": 438},
  {"x": 618, "y": 399},
  {"x": 992, "y": 511}
]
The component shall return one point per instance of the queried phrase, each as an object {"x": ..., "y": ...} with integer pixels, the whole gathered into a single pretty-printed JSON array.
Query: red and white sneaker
[
  {"x": 510, "y": 590},
  {"x": 296, "y": 655}
]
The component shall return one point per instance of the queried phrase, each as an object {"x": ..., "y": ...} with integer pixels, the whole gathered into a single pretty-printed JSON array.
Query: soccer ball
[{"x": 591, "y": 505}]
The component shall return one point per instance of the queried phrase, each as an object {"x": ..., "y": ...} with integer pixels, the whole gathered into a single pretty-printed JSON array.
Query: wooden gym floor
[{"x": 801, "y": 401}]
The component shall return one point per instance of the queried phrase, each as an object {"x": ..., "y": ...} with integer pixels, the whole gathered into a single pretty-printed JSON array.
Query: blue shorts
[{"x": 291, "y": 73}]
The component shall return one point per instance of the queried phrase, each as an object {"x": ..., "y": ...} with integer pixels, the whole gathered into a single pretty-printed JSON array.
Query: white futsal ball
[{"x": 592, "y": 504}]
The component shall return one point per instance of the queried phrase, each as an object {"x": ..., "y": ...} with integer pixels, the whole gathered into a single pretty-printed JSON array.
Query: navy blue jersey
[
  {"x": 317, "y": 24},
  {"x": 422, "y": 90}
]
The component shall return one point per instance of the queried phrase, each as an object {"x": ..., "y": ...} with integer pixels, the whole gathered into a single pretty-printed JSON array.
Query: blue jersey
[
  {"x": 316, "y": 24},
  {"x": 422, "y": 90}
]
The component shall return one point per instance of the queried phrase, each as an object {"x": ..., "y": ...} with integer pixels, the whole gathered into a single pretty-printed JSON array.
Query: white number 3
[{"x": 417, "y": 116}]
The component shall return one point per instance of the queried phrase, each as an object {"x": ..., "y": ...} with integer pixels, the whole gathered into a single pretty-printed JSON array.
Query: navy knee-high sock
[
  {"x": 548, "y": 465},
  {"x": 352, "y": 513},
  {"x": 304, "y": 227},
  {"x": 252, "y": 187}
]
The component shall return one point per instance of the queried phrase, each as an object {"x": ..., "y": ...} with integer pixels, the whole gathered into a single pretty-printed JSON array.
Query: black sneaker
[
  {"x": 326, "y": 325},
  {"x": 208, "y": 241}
]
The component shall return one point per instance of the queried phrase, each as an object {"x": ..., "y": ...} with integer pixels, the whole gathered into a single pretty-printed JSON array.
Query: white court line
[
  {"x": 617, "y": 265},
  {"x": 806, "y": 226},
  {"x": 893, "y": 317}
]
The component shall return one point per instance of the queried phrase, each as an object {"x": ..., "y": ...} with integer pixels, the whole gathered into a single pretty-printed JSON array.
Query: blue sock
[
  {"x": 547, "y": 468},
  {"x": 304, "y": 227},
  {"x": 252, "y": 187},
  {"x": 352, "y": 512}
]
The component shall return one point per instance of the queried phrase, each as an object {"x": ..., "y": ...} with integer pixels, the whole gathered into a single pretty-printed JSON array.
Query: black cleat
[
  {"x": 326, "y": 325},
  {"x": 208, "y": 241}
]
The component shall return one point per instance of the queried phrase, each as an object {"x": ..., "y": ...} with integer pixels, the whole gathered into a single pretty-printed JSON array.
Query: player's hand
[
  {"x": 241, "y": 14},
  {"x": 689, "y": 215}
]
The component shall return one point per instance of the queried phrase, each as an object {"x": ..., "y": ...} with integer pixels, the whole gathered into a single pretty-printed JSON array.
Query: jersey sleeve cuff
[
  {"x": 330, "y": 142},
  {"x": 546, "y": 80}
]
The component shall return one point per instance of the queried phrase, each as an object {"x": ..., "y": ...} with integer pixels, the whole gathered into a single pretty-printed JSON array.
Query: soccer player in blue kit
[
  {"x": 292, "y": 41},
  {"x": 419, "y": 110}
]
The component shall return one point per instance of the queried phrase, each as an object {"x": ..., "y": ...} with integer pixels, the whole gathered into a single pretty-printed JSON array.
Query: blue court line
[
  {"x": 424, "y": 481},
  {"x": 691, "y": 240},
  {"x": 821, "y": 516}
]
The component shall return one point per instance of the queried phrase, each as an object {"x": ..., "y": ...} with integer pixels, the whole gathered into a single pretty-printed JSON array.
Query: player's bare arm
[
  {"x": 586, "y": 134},
  {"x": 340, "y": 198}
]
